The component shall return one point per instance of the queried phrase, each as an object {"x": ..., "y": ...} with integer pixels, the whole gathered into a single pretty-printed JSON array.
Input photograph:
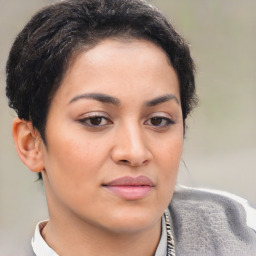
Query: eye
[
  {"x": 95, "y": 121},
  {"x": 159, "y": 122}
]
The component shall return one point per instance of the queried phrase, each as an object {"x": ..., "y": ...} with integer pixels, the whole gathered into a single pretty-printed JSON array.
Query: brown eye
[
  {"x": 156, "y": 121},
  {"x": 159, "y": 122},
  {"x": 95, "y": 120}
]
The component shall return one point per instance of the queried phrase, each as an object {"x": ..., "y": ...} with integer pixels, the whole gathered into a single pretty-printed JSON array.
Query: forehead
[{"x": 119, "y": 67}]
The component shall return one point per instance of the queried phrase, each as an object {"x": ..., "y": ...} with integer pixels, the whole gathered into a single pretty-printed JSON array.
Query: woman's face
[{"x": 114, "y": 137}]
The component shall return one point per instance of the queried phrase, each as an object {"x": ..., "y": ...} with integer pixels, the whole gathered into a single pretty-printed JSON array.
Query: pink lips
[{"x": 130, "y": 188}]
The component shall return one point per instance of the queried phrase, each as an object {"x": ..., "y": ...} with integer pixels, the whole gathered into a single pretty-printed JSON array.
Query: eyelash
[
  {"x": 94, "y": 117},
  {"x": 168, "y": 121},
  {"x": 87, "y": 121}
]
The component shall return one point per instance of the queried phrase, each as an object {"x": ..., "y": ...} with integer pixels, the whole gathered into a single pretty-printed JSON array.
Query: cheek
[
  {"x": 168, "y": 159},
  {"x": 74, "y": 165},
  {"x": 73, "y": 160}
]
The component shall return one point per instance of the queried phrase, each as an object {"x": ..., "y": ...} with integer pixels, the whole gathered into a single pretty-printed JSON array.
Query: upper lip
[{"x": 131, "y": 181}]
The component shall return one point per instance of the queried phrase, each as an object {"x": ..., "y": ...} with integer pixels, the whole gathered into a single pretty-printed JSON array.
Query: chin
[{"x": 132, "y": 220}]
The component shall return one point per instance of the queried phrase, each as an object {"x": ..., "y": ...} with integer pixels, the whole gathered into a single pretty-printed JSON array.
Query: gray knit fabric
[{"x": 208, "y": 224}]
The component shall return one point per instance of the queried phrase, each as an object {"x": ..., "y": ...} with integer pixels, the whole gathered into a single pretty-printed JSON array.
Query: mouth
[{"x": 130, "y": 188}]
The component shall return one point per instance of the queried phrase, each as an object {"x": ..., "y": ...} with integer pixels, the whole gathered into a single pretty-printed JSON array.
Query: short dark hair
[{"x": 41, "y": 52}]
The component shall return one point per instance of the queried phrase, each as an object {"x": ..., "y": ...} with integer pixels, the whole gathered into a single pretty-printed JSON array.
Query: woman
[{"x": 102, "y": 89}]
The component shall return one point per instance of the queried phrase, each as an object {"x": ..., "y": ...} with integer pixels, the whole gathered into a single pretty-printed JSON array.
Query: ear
[{"x": 28, "y": 144}]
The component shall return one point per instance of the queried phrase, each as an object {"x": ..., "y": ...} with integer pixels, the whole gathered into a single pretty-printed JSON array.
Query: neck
[{"x": 69, "y": 238}]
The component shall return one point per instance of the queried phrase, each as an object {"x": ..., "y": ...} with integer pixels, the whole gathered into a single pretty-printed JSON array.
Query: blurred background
[{"x": 220, "y": 144}]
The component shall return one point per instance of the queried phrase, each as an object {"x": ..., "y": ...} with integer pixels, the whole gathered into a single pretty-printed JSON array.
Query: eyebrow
[
  {"x": 162, "y": 99},
  {"x": 97, "y": 96},
  {"x": 104, "y": 98}
]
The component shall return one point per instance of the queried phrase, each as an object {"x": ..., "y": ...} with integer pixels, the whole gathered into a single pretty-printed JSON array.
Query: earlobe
[{"x": 28, "y": 144}]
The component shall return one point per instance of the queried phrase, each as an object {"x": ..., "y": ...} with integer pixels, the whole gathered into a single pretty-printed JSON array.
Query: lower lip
[{"x": 130, "y": 192}]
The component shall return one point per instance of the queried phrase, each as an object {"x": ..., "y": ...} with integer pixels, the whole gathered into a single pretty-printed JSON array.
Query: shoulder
[
  {"x": 220, "y": 222},
  {"x": 209, "y": 197}
]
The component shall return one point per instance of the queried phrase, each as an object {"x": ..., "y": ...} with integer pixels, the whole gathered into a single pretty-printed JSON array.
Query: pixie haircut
[{"x": 43, "y": 50}]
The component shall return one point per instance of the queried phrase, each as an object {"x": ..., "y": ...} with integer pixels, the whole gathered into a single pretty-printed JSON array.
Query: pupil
[
  {"x": 156, "y": 121},
  {"x": 95, "y": 120}
]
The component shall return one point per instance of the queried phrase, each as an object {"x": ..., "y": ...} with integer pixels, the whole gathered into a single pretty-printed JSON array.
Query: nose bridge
[
  {"x": 134, "y": 138},
  {"x": 131, "y": 146}
]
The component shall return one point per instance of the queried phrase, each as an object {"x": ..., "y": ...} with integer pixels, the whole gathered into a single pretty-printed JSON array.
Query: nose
[{"x": 130, "y": 147}]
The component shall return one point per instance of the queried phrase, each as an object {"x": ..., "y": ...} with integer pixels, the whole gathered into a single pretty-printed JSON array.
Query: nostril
[
  {"x": 124, "y": 161},
  {"x": 127, "y": 162}
]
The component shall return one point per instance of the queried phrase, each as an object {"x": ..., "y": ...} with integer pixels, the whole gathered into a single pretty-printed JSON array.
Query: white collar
[
  {"x": 41, "y": 248},
  {"x": 162, "y": 246}
]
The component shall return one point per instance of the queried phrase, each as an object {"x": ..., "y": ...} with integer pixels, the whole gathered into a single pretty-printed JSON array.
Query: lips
[
  {"x": 131, "y": 181},
  {"x": 130, "y": 188}
]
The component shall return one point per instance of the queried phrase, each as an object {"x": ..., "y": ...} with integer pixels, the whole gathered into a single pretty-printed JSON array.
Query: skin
[{"x": 79, "y": 159}]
